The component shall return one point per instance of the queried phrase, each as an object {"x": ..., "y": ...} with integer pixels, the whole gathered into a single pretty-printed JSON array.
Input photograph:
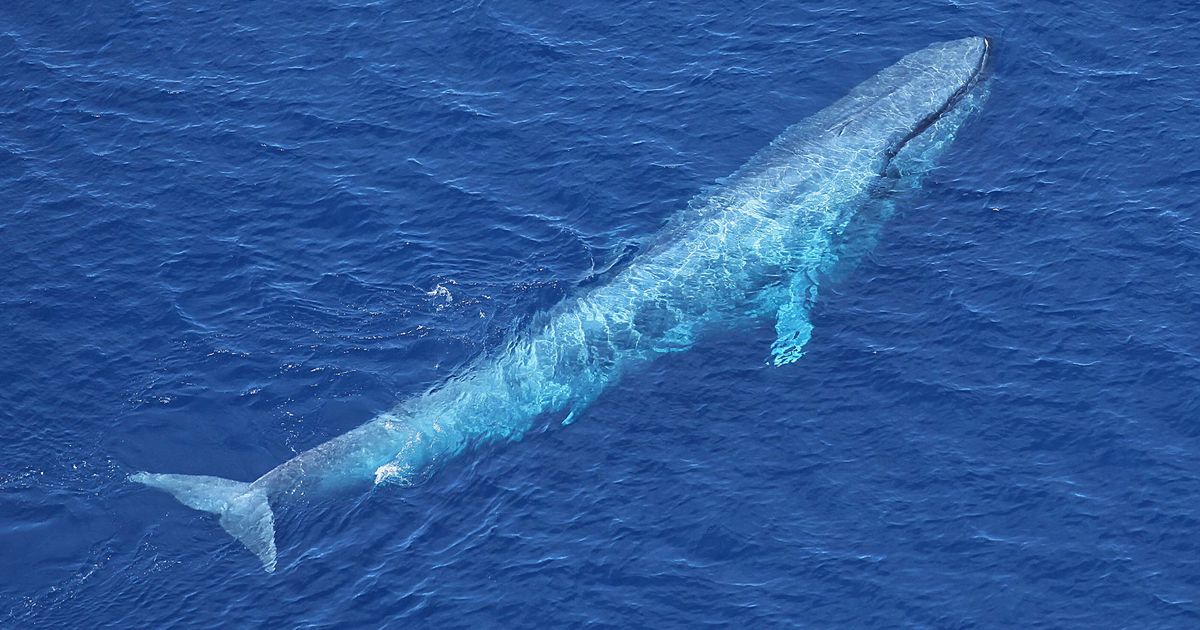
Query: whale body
[{"x": 755, "y": 246}]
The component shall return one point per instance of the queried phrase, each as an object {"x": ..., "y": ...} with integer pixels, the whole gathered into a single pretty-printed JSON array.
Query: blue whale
[{"x": 753, "y": 247}]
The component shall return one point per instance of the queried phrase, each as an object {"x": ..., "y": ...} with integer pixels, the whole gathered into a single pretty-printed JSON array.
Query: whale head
[
  {"x": 906, "y": 98},
  {"x": 943, "y": 74}
]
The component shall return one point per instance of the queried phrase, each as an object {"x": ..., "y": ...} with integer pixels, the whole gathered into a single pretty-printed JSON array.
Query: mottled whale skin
[{"x": 755, "y": 246}]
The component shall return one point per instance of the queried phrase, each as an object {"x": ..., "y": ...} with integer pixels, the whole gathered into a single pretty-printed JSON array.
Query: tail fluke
[{"x": 244, "y": 511}]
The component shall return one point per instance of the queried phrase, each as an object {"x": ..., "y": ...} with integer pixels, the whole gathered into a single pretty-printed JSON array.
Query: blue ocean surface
[{"x": 230, "y": 231}]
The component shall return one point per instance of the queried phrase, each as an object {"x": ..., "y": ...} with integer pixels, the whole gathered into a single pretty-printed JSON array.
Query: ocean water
[{"x": 230, "y": 231}]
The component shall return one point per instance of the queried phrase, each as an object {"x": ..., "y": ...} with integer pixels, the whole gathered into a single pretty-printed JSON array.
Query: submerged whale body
[{"x": 756, "y": 246}]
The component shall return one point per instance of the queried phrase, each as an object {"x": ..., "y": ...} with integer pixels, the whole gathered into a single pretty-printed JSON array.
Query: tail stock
[{"x": 245, "y": 512}]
